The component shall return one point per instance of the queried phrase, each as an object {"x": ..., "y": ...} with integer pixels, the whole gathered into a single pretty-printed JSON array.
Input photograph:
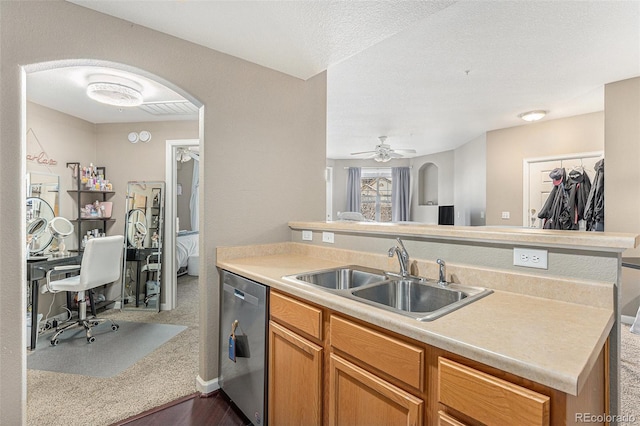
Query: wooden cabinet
[
  {"x": 488, "y": 399},
  {"x": 327, "y": 368},
  {"x": 358, "y": 397},
  {"x": 295, "y": 369}
]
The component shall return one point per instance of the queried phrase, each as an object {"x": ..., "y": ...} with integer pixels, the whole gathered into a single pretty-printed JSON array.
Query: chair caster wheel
[
  {"x": 115, "y": 327},
  {"x": 95, "y": 323},
  {"x": 91, "y": 339},
  {"x": 54, "y": 342}
]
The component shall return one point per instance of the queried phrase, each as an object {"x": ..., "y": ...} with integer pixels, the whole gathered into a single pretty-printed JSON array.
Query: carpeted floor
[
  {"x": 164, "y": 375},
  {"x": 630, "y": 376}
]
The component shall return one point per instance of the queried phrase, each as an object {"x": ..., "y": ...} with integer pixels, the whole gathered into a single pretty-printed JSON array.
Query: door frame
[
  {"x": 526, "y": 164},
  {"x": 171, "y": 213}
]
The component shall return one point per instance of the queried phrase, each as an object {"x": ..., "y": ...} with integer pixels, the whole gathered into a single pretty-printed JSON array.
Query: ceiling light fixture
[
  {"x": 114, "y": 94},
  {"x": 382, "y": 157},
  {"x": 533, "y": 115}
]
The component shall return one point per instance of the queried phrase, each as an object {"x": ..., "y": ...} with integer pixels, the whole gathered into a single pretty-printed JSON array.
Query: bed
[{"x": 187, "y": 256}]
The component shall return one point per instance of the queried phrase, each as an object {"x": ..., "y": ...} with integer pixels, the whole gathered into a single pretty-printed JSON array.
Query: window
[{"x": 375, "y": 194}]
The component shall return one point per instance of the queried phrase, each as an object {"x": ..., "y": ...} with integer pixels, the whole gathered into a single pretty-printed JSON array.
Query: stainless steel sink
[
  {"x": 343, "y": 278},
  {"x": 424, "y": 301},
  {"x": 416, "y": 297}
]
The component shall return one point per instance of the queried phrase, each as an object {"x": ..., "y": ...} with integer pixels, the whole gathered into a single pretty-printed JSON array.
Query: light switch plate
[
  {"x": 307, "y": 235},
  {"x": 327, "y": 237}
]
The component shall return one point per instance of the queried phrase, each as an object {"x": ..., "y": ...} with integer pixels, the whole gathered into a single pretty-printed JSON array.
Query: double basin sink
[{"x": 419, "y": 298}]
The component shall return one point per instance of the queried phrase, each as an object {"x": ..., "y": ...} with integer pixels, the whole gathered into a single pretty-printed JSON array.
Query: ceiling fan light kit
[
  {"x": 383, "y": 152},
  {"x": 114, "y": 94}
]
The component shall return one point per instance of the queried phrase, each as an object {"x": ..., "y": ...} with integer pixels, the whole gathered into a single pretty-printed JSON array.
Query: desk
[
  {"x": 37, "y": 269},
  {"x": 631, "y": 262}
]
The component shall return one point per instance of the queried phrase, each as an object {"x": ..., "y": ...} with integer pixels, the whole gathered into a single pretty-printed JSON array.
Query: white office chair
[{"x": 101, "y": 264}]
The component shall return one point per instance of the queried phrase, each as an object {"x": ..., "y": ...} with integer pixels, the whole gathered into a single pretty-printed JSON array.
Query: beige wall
[
  {"x": 126, "y": 162},
  {"x": 257, "y": 124},
  {"x": 622, "y": 175},
  {"x": 507, "y": 148}
]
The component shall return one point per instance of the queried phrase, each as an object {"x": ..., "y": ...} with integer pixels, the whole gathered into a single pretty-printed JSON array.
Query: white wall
[
  {"x": 446, "y": 175},
  {"x": 470, "y": 182}
]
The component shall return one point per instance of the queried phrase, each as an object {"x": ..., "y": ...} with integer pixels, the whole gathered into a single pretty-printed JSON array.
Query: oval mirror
[
  {"x": 39, "y": 214},
  {"x": 135, "y": 216},
  {"x": 60, "y": 227}
]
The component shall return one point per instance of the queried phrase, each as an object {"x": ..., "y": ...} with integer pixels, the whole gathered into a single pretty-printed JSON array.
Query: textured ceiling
[{"x": 430, "y": 75}]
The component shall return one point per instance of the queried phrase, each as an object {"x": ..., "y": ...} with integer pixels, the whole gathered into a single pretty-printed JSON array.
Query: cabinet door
[
  {"x": 358, "y": 397},
  {"x": 295, "y": 378}
]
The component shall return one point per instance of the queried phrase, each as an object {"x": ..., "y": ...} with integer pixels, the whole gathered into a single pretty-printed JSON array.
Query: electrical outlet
[
  {"x": 327, "y": 237},
  {"x": 506, "y": 215},
  {"x": 307, "y": 235},
  {"x": 530, "y": 258}
]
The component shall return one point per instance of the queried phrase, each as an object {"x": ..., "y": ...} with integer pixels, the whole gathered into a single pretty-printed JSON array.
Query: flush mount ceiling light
[
  {"x": 144, "y": 136},
  {"x": 114, "y": 94},
  {"x": 533, "y": 115}
]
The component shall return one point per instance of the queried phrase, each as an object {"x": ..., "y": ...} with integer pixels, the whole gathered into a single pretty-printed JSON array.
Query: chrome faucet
[
  {"x": 403, "y": 257},
  {"x": 442, "y": 275}
]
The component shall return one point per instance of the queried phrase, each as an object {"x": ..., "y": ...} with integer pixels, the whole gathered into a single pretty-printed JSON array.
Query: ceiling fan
[{"x": 383, "y": 152}]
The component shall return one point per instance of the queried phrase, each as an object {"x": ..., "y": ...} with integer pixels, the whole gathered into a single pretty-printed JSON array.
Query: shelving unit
[{"x": 78, "y": 195}]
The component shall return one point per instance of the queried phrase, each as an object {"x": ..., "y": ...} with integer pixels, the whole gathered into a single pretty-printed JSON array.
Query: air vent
[{"x": 169, "y": 108}]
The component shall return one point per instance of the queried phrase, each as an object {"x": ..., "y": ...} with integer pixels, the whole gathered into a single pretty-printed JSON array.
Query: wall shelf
[{"x": 78, "y": 194}]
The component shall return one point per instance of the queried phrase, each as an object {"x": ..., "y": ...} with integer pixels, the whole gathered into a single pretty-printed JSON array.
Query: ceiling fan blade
[
  {"x": 405, "y": 151},
  {"x": 364, "y": 152},
  {"x": 394, "y": 154}
]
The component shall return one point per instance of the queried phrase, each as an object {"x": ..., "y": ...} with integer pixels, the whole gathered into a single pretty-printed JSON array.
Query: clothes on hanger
[
  {"x": 594, "y": 209},
  {"x": 555, "y": 212}
]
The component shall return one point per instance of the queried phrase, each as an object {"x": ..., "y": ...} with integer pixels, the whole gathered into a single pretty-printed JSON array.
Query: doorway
[
  {"x": 172, "y": 225},
  {"x": 537, "y": 184}
]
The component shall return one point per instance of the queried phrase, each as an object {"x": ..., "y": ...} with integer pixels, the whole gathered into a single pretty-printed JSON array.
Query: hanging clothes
[
  {"x": 594, "y": 211},
  {"x": 555, "y": 211},
  {"x": 579, "y": 187}
]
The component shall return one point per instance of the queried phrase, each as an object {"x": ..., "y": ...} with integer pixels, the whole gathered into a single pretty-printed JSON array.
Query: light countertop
[
  {"x": 548, "y": 341},
  {"x": 598, "y": 241}
]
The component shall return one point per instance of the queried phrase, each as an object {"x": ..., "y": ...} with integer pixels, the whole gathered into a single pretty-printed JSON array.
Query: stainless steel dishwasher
[{"x": 243, "y": 344}]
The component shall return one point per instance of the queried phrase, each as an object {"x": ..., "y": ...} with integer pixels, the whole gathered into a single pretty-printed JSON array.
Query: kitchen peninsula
[{"x": 550, "y": 334}]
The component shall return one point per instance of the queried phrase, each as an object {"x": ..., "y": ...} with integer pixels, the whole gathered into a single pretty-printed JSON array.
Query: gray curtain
[
  {"x": 400, "y": 201},
  {"x": 353, "y": 189}
]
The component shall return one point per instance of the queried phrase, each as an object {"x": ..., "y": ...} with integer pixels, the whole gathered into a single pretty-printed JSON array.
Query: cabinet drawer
[
  {"x": 297, "y": 314},
  {"x": 446, "y": 420},
  {"x": 388, "y": 354},
  {"x": 488, "y": 399}
]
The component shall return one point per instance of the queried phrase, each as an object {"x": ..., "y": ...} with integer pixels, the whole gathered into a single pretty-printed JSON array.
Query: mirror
[
  {"x": 44, "y": 186},
  {"x": 142, "y": 273},
  {"x": 39, "y": 214},
  {"x": 60, "y": 228}
]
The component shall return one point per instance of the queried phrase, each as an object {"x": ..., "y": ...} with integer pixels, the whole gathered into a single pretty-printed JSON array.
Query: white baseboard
[
  {"x": 627, "y": 319},
  {"x": 206, "y": 387}
]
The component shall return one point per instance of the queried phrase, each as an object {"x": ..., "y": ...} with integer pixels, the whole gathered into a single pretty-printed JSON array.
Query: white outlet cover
[
  {"x": 530, "y": 258},
  {"x": 307, "y": 235},
  {"x": 327, "y": 237}
]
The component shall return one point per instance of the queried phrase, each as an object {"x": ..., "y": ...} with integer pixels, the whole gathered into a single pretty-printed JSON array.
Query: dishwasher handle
[{"x": 241, "y": 294}]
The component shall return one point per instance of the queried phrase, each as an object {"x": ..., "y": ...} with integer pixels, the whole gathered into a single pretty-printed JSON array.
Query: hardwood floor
[{"x": 192, "y": 410}]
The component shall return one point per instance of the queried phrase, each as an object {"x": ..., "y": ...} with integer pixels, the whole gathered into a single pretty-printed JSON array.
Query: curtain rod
[{"x": 347, "y": 168}]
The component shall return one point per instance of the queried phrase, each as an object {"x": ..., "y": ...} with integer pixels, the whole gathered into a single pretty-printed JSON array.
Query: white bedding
[{"x": 186, "y": 246}]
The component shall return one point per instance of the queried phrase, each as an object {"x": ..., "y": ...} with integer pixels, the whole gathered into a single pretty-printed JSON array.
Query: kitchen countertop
[
  {"x": 597, "y": 241},
  {"x": 548, "y": 341}
]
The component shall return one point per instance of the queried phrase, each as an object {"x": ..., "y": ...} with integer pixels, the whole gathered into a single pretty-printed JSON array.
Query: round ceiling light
[
  {"x": 533, "y": 115},
  {"x": 114, "y": 94}
]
